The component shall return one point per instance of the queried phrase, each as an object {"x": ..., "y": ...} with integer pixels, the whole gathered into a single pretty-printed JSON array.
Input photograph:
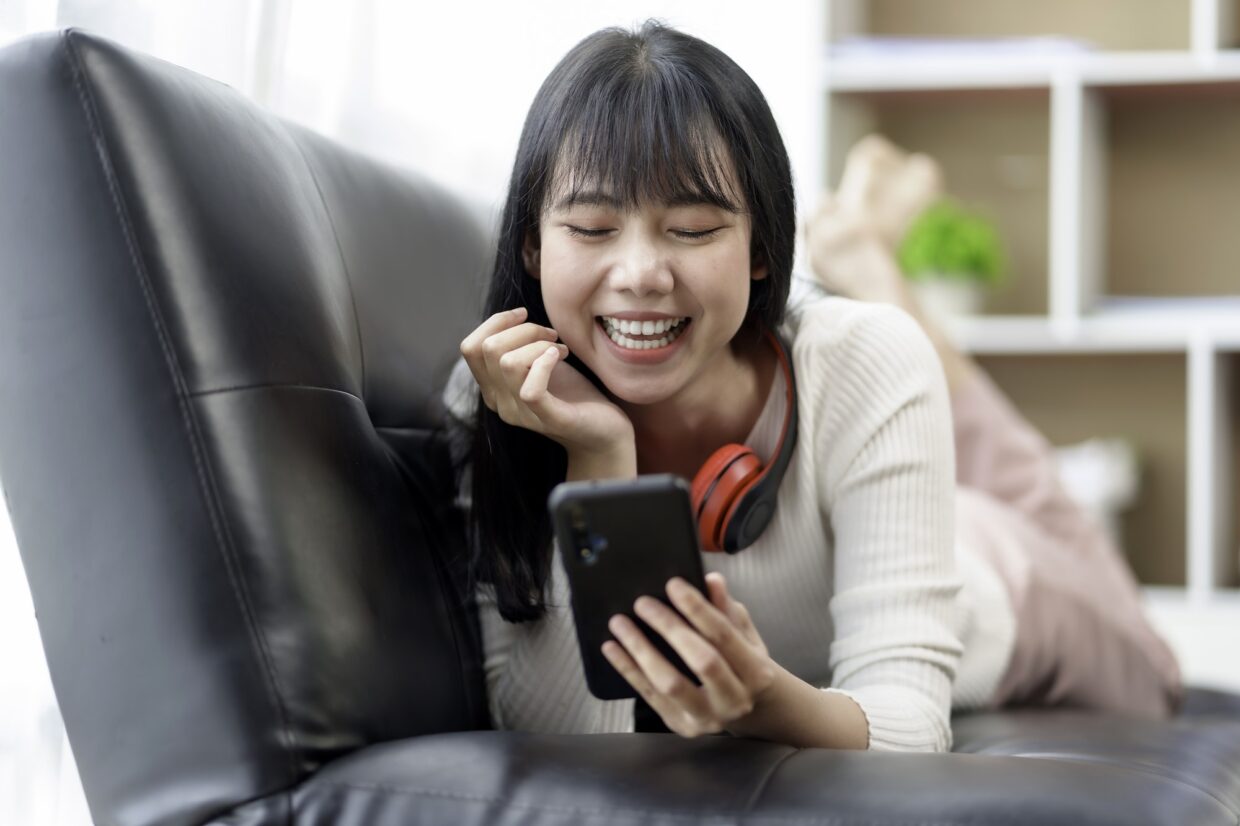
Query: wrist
[
  {"x": 757, "y": 723},
  {"x": 618, "y": 461},
  {"x": 798, "y": 714}
]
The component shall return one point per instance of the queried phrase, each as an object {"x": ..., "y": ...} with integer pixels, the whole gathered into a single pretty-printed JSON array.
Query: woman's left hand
[{"x": 722, "y": 647}]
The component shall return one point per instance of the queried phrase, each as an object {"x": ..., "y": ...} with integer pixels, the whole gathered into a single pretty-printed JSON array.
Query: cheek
[
  {"x": 729, "y": 266},
  {"x": 566, "y": 299}
]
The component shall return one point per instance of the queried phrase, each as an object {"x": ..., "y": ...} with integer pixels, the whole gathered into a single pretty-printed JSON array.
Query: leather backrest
[{"x": 222, "y": 339}]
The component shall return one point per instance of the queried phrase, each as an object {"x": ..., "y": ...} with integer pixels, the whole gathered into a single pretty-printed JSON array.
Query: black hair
[{"x": 649, "y": 115}]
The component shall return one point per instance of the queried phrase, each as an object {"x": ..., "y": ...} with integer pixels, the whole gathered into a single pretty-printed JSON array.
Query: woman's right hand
[{"x": 519, "y": 373}]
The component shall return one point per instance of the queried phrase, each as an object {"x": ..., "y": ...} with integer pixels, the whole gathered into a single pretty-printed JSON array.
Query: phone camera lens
[{"x": 588, "y": 553}]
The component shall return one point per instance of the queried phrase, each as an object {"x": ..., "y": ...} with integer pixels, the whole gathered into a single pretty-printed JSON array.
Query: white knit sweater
[{"x": 856, "y": 586}]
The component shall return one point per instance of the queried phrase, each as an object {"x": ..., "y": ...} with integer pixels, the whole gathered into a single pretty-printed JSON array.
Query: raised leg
[{"x": 1083, "y": 638}]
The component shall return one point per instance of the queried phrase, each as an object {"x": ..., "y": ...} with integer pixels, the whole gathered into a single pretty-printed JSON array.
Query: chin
[{"x": 636, "y": 390}]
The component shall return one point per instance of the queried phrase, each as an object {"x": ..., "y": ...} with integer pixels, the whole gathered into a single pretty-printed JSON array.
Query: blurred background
[{"x": 1087, "y": 256}]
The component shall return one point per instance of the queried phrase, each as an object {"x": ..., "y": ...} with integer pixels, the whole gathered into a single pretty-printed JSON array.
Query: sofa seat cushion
[
  {"x": 1034, "y": 768},
  {"x": 1200, "y": 751}
]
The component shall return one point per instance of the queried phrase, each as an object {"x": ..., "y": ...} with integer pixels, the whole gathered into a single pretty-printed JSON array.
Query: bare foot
[
  {"x": 854, "y": 235},
  {"x": 849, "y": 256},
  {"x": 888, "y": 187}
]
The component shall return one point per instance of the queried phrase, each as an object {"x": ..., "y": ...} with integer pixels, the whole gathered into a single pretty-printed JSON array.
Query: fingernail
[{"x": 518, "y": 311}]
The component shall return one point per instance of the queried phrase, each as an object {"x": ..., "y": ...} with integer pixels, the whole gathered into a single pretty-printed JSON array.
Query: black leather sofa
[{"x": 221, "y": 343}]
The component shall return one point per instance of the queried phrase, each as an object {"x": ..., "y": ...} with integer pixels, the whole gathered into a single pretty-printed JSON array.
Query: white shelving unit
[{"x": 1073, "y": 94}]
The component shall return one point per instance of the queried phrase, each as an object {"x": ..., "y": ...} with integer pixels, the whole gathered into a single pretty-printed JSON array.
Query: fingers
[
  {"x": 500, "y": 353},
  {"x": 499, "y": 321},
  {"x": 533, "y": 391},
  {"x": 515, "y": 364},
  {"x": 717, "y": 589},
  {"x": 673, "y": 715},
  {"x": 687, "y": 710},
  {"x": 471, "y": 349},
  {"x": 500, "y": 345},
  {"x": 738, "y": 613},
  {"x": 726, "y": 697},
  {"x": 728, "y": 629},
  {"x": 719, "y": 596},
  {"x": 525, "y": 373}
]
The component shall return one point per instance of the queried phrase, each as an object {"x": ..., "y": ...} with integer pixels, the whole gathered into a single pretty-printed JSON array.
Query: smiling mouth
[{"x": 638, "y": 341}]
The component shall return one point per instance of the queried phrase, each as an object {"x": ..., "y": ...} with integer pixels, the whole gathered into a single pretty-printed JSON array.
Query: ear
[
  {"x": 759, "y": 270},
  {"x": 529, "y": 256}
]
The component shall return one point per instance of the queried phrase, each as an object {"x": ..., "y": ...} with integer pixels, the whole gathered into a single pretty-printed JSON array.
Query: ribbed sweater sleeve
[{"x": 885, "y": 438}]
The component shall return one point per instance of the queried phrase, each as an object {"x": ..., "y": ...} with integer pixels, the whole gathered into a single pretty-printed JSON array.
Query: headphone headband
[{"x": 734, "y": 494}]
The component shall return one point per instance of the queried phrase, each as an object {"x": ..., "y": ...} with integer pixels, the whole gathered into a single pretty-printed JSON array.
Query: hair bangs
[{"x": 648, "y": 145}]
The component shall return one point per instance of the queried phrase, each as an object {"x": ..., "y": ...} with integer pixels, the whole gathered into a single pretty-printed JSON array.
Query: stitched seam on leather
[
  {"x": 611, "y": 811},
  {"x": 275, "y": 385},
  {"x": 89, "y": 109},
  {"x": 446, "y": 587},
  {"x": 344, "y": 264},
  {"x": 766, "y": 779},
  {"x": 445, "y": 582}
]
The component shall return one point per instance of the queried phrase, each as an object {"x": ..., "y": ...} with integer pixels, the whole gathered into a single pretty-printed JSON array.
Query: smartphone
[{"x": 620, "y": 539}]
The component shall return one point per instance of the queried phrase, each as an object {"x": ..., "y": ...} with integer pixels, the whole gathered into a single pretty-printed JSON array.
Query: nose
[{"x": 641, "y": 267}]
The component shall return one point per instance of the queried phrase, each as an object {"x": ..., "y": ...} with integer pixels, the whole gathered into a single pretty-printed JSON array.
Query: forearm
[{"x": 798, "y": 714}]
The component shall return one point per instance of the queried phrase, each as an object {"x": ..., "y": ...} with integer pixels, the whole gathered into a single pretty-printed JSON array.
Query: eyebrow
[{"x": 596, "y": 198}]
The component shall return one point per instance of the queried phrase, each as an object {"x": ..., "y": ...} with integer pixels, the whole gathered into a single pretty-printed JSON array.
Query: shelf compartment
[
  {"x": 1139, "y": 396},
  {"x": 1169, "y": 189},
  {"x": 1159, "y": 24},
  {"x": 994, "y": 148}
]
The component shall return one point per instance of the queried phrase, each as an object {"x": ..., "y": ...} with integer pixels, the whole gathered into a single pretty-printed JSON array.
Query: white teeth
[
  {"x": 614, "y": 333},
  {"x": 647, "y": 328}
]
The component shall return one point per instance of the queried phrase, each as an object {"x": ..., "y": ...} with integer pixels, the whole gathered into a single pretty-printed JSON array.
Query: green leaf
[{"x": 949, "y": 240}]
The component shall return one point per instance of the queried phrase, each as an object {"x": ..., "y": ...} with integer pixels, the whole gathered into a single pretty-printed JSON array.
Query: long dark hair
[{"x": 648, "y": 115}]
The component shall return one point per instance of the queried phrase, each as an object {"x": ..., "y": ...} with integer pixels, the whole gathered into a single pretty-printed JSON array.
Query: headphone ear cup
[{"x": 721, "y": 480}]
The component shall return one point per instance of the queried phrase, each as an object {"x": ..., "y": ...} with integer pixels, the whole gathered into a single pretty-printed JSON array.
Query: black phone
[{"x": 620, "y": 539}]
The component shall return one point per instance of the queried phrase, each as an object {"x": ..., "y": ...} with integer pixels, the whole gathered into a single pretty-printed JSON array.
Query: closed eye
[
  {"x": 598, "y": 233},
  {"x": 587, "y": 233},
  {"x": 706, "y": 233}
]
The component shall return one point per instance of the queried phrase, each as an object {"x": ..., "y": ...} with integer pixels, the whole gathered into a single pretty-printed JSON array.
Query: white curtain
[{"x": 438, "y": 87}]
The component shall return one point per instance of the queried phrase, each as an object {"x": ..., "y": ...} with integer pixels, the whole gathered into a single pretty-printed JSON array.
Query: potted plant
[{"x": 950, "y": 256}]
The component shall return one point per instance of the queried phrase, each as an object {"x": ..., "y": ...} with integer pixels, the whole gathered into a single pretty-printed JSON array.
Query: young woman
[{"x": 651, "y": 185}]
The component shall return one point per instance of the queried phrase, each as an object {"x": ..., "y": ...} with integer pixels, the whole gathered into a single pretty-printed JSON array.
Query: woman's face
[{"x": 661, "y": 262}]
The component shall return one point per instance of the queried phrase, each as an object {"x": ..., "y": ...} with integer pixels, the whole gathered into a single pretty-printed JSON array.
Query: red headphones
[{"x": 733, "y": 494}]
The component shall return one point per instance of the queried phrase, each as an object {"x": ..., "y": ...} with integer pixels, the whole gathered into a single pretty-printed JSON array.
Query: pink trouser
[{"x": 1082, "y": 638}]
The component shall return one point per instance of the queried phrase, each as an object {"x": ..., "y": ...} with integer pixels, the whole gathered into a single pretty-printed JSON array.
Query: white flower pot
[{"x": 944, "y": 298}]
